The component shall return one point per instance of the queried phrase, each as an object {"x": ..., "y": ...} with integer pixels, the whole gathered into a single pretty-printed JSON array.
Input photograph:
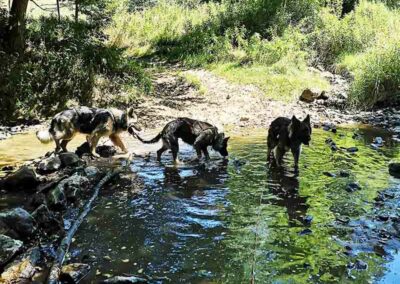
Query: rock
[
  {"x": 69, "y": 159},
  {"x": 125, "y": 279},
  {"x": 83, "y": 149},
  {"x": 23, "y": 269},
  {"x": 46, "y": 220},
  {"x": 56, "y": 198},
  {"x": 92, "y": 172},
  {"x": 7, "y": 168},
  {"x": 74, "y": 186},
  {"x": 17, "y": 223},
  {"x": 74, "y": 272},
  {"x": 8, "y": 248},
  {"x": 375, "y": 146},
  {"x": 49, "y": 165},
  {"x": 106, "y": 151},
  {"x": 394, "y": 169},
  {"x": 310, "y": 95},
  {"x": 25, "y": 178},
  {"x": 353, "y": 186}
]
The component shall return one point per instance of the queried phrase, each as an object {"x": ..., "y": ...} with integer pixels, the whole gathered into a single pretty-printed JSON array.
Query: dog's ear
[
  {"x": 307, "y": 119},
  {"x": 226, "y": 139},
  {"x": 295, "y": 121}
]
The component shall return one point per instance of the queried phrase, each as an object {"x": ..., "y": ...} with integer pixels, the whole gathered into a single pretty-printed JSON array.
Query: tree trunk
[
  {"x": 58, "y": 10},
  {"x": 76, "y": 10},
  {"x": 16, "y": 37}
]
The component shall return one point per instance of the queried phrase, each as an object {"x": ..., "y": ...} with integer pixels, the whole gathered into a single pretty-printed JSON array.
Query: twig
[
  {"x": 40, "y": 7},
  {"x": 66, "y": 241}
]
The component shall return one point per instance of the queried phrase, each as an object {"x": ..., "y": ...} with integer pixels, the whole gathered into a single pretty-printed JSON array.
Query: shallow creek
[{"x": 236, "y": 221}]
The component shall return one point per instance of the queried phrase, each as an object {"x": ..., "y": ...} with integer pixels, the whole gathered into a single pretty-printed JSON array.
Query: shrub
[{"x": 377, "y": 76}]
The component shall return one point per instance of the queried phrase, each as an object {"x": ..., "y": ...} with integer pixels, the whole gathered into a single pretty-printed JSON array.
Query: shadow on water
[{"x": 233, "y": 221}]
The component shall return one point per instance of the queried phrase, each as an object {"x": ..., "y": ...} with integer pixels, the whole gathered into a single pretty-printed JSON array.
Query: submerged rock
[
  {"x": 343, "y": 173},
  {"x": 353, "y": 186},
  {"x": 69, "y": 159},
  {"x": 8, "y": 248},
  {"x": 125, "y": 279},
  {"x": 24, "y": 178},
  {"x": 17, "y": 223},
  {"x": 352, "y": 149},
  {"x": 49, "y": 165},
  {"x": 394, "y": 169},
  {"x": 74, "y": 272},
  {"x": 360, "y": 265},
  {"x": 329, "y": 174}
]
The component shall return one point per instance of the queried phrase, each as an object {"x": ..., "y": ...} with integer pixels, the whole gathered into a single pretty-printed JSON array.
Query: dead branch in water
[{"x": 66, "y": 241}]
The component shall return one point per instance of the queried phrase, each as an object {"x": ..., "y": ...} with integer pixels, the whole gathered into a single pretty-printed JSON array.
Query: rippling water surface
[{"x": 237, "y": 221}]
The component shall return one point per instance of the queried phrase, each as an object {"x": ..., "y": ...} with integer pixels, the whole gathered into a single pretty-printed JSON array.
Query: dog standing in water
[
  {"x": 94, "y": 122},
  {"x": 197, "y": 133},
  {"x": 286, "y": 134}
]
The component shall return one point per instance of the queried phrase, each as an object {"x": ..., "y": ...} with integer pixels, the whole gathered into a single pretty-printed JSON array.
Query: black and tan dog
[
  {"x": 94, "y": 122},
  {"x": 288, "y": 134},
  {"x": 197, "y": 133}
]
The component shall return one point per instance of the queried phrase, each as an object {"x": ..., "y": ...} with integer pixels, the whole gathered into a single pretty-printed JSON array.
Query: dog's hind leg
[
  {"x": 163, "y": 148},
  {"x": 205, "y": 152},
  {"x": 278, "y": 155},
  {"x": 175, "y": 149}
]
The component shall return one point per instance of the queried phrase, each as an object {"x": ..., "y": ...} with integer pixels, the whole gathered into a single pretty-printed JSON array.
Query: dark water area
[{"x": 236, "y": 221}]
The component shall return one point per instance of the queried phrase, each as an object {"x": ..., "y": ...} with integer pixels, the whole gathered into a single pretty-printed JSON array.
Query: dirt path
[{"x": 220, "y": 102}]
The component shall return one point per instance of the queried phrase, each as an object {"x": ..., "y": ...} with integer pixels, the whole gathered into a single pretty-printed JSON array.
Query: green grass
[
  {"x": 280, "y": 86},
  {"x": 194, "y": 81}
]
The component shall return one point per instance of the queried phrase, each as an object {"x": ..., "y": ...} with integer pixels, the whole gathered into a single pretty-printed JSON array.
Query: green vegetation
[
  {"x": 271, "y": 43},
  {"x": 66, "y": 63},
  {"x": 93, "y": 58}
]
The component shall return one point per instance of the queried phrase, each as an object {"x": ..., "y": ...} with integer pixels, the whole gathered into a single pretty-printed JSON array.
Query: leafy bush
[{"x": 61, "y": 66}]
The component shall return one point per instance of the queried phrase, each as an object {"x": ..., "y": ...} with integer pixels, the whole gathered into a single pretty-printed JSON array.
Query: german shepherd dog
[
  {"x": 285, "y": 134},
  {"x": 94, "y": 122},
  {"x": 197, "y": 133}
]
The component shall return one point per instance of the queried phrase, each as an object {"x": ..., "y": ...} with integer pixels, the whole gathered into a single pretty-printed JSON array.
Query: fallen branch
[{"x": 66, "y": 241}]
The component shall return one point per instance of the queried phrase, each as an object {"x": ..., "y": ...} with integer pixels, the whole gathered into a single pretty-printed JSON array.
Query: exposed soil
[{"x": 223, "y": 103}]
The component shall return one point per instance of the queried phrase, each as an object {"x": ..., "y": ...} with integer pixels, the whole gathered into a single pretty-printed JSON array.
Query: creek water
[{"x": 238, "y": 221}]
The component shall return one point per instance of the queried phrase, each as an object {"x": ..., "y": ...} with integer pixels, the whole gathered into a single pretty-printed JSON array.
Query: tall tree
[{"x": 16, "y": 34}]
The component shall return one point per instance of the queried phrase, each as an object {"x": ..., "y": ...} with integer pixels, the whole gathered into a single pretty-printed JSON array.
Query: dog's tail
[
  {"x": 152, "y": 141},
  {"x": 44, "y": 136}
]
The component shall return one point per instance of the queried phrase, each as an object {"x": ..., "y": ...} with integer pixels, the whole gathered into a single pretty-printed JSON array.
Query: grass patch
[
  {"x": 194, "y": 81},
  {"x": 280, "y": 86}
]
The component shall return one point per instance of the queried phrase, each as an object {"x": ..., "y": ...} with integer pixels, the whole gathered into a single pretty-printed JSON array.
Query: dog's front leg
[
  {"x": 296, "y": 156},
  {"x": 118, "y": 142},
  {"x": 205, "y": 152}
]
